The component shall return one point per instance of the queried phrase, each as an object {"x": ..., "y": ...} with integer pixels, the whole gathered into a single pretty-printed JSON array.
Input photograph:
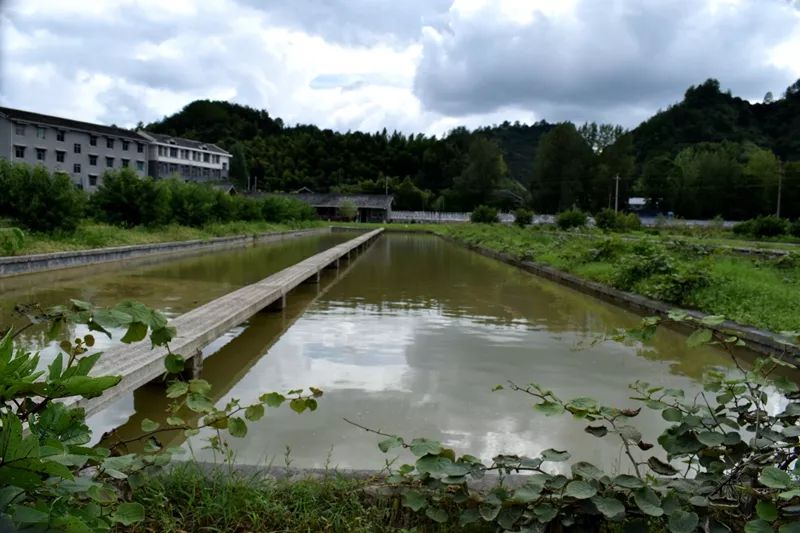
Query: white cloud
[{"x": 414, "y": 66}]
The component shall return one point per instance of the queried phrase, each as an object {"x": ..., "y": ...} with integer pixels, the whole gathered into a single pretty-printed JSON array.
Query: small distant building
[
  {"x": 371, "y": 207},
  {"x": 82, "y": 150},
  {"x": 191, "y": 160},
  {"x": 637, "y": 203}
]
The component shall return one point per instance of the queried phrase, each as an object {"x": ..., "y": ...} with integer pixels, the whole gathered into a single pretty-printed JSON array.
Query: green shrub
[
  {"x": 125, "y": 199},
  {"x": 571, "y": 218},
  {"x": 523, "y": 217},
  {"x": 483, "y": 214},
  {"x": 743, "y": 228},
  {"x": 606, "y": 219},
  {"x": 770, "y": 226},
  {"x": 41, "y": 200},
  {"x": 630, "y": 222},
  {"x": 763, "y": 226},
  {"x": 282, "y": 209},
  {"x": 794, "y": 228},
  {"x": 11, "y": 240}
]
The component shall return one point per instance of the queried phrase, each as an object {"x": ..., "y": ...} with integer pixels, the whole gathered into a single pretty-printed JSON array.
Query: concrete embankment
[{"x": 28, "y": 264}]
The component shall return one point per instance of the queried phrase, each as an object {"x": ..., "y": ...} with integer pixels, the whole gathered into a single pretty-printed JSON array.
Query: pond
[{"x": 410, "y": 339}]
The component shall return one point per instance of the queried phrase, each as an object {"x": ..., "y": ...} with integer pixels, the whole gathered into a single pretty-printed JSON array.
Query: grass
[
  {"x": 97, "y": 235},
  {"x": 764, "y": 293},
  {"x": 189, "y": 499}
]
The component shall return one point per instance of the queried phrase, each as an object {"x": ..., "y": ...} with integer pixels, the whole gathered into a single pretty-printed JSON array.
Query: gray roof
[
  {"x": 186, "y": 143},
  {"x": 367, "y": 201},
  {"x": 66, "y": 123}
]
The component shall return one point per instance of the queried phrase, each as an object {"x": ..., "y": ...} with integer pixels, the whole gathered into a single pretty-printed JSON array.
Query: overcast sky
[{"x": 412, "y": 65}]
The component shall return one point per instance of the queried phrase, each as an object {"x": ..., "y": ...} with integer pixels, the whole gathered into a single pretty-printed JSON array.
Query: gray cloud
[
  {"x": 611, "y": 59},
  {"x": 357, "y": 22}
]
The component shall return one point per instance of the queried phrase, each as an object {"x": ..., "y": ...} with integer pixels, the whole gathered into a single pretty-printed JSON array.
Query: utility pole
[
  {"x": 616, "y": 194},
  {"x": 386, "y": 198},
  {"x": 780, "y": 183}
]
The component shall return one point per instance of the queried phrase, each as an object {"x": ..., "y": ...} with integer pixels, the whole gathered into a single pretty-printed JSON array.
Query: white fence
[{"x": 434, "y": 217}]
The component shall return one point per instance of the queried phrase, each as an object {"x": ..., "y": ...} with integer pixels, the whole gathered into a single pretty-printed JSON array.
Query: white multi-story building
[
  {"x": 82, "y": 150},
  {"x": 85, "y": 151},
  {"x": 191, "y": 160}
]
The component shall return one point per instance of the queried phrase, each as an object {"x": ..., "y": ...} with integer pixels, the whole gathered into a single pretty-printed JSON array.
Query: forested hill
[
  {"x": 707, "y": 114},
  {"x": 457, "y": 170},
  {"x": 709, "y": 145}
]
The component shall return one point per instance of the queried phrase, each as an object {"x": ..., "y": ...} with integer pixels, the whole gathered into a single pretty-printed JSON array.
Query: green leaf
[
  {"x": 767, "y": 511},
  {"x": 102, "y": 494},
  {"x": 489, "y": 511},
  {"x": 789, "y": 494},
  {"x": 432, "y": 464},
  {"x": 414, "y": 500},
  {"x": 149, "y": 425},
  {"x": 712, "y": 320},
  {"x": 660, "y": 467},
  {"x": 174, "y": 363},
  {"x": 527, "y": 493},
  {"x": 648, "y": 502},
  {"x": 161, "y": 336},
  {"x": 388, "y": 444},
  {"x": 630, "y": 434},
  {"x": 272, "y": 399},
  {"x": 128, "y": 513},
  {"x": 298, "y": 405},
  {"x": 237, "y": 427},
  {"x": 88, "y": 387},
  {"x": 790, "y": 527},
  {"x": 670, "y": 414},
  {"x": 597, "y": 431},
  {"x": 711, "y": 438},
  {"x": 136, "y": 332},
  {"x": 555, "y": 456},
  {"x": 758, "y": 526},
  {"x": 628, "y": 482},
  {"x": 683, "y": 522},
  {"x": 580, "y": 490},
  {"x": 176, "y": 389},
  {"x": 28, "y": 515},
  {"x": 56, "y": 367},
  {"x": 254, "y": 412},
  {"x": 199, "y": 403},
  {"x": 175, "y": 421},
  {"x": 420, "y": 447},
  {"x": 699, "y": 337},
  {"x": 549, "y": 408},
  {"x": 545, "y": 512},
  {"x": 774, "y": 478},
  {"x": 468, "y": 516},
  {"x": 437, "y": 514},
  {"x": 199, "y": 386},
  {"x": 610, "y": 507},
  {"x": 586, "y": 470}
]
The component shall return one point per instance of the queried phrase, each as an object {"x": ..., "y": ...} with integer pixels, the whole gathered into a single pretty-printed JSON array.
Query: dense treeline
[
  {"x": 711, "y": 154},
  {"x": 40, "y": 200}
]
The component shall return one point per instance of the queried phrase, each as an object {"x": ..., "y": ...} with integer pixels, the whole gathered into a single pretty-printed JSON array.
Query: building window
[
  {"x": 109, "y": 162},
  {"x": 76, "y": 148},
  {"x": 125, "y": 145},
  {"x": 76, "y": 168},
  {"x": 93, "y": 140},
  {"x": 125, "y": 163},
  {"x": 19, "y": 129},
  {"x": 206, "y": 158},
  {"x": 19, "y": 152},
  {"x": 110, "y": 143},
  {"x": 93, "y": 180},
  {"x": 93, "y": 160},
  {"x": 173, "y": 152},
  {"x": 140, "y": 148},
  {"x": 60, "y": 135},
  {"x": 40, "y": 154},
  {"x": 140, "y": 166},
  {"x": 173, "y": 168},
  {"x": 224, "y": 165},
  {"x": 40, "y": 132},
  {"x": 60, "y": 154}
]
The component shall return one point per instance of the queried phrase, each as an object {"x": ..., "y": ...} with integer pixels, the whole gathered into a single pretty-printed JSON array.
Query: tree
[
  {"x": 655, "y": 181},
  {"x": 768, "y": 98},
  {"x": 561, "y": 170},
  {"x": 598, "y": 137},
  {"x": 485, "y": 168},
  {"x": 348, "y": 210},
  {"x": 239, "y": 173}
]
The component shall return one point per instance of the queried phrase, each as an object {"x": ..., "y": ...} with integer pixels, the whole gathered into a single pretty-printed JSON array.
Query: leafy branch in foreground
[
  {"x": 50, "y": 477},
  {"x": 727, "y": 461}
]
